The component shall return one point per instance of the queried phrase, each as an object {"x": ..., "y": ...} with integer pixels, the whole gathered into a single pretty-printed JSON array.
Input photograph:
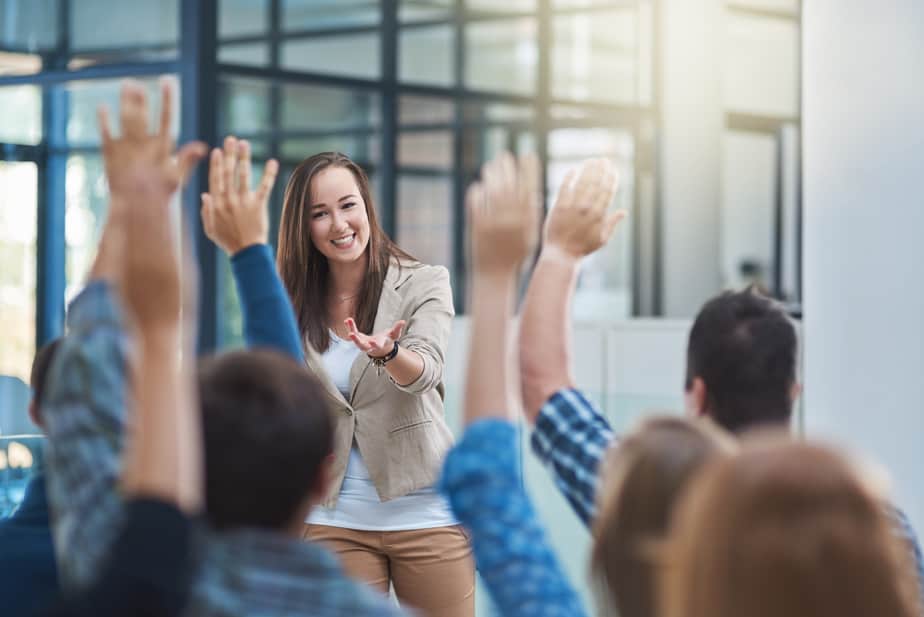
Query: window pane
[
  {"x": 231, "y": 329},
  {"x": 250, "y": 54},
  {"x": 21, "y": 119},
  {"x": 242, "y": 17},
  {"x": 594, "y": 56},
  {"x": 481, "y": 144},
  {"x": 783, "y": 6},
  {"x": 496, "y": 112},
  {"x": 505, "y": 7},
  {"x": 363, "y": 149},
  {"x": 429, "y": 149},
  {"x": 501, "y": 55},
  {"x": 761, "y": 66},
  {"x": 18, "y": 224},
  {"x": 328, "y": 109},
  {"x": 426, "y": 56},
  {"x": 28, "y": 25},
  {"x": 304, "y": 14},
  {"x": 424, "y": 216},
  {"x": 425, "y": 110},
  {"x": 414, "y": 10},
  {"x": 84, "y": 97},
  {"x": 604, "y": 286},
  {"x": 244, "y": 105},
  {"x": 86, "y": 205},
  {"x": 103, "y": 24},
  {"x": 356, "y": 55}
]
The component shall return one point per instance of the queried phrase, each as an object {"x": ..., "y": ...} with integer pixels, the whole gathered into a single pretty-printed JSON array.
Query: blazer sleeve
[{"x": 429, "y": 322}]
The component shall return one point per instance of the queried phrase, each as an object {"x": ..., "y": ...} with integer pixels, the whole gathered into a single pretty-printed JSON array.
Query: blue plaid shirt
[
  {"x": 511, "y": 549},
  {"x": 571, "y": 438},
  {"x": 242, "y": 572}
]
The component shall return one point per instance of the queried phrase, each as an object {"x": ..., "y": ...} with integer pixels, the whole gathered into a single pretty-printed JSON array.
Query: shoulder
[{"x": 410, "y": 275}]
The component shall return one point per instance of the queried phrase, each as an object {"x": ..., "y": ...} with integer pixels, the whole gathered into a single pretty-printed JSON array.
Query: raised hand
[
  {"x": 143, "y": 173},
  {"x": 579, "y": 224},
  {"x": 375, "y": 345},
  {"x": 503, "y": 212},
  {"x": 233, "y": 216}
]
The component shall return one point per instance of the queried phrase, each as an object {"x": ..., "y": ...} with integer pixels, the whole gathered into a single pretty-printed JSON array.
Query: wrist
[
  {"x": 554, "y": 253},
  {"x": 381, "y": 360}
]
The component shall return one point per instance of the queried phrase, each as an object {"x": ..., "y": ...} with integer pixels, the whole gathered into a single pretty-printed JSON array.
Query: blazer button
[{"x": 349, "y": 412}]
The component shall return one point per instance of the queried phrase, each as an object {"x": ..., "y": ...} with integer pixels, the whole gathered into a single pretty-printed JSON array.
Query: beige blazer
[{"x": 401, "y": 431}]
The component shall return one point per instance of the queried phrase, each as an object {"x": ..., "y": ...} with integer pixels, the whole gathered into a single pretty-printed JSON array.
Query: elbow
[{"x": 431, "y": 374}]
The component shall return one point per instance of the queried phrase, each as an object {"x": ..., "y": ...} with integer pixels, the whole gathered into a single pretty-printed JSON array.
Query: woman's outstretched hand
[
  {"x": 233, "y": 216},
  {"x": 375, "y": 345}
]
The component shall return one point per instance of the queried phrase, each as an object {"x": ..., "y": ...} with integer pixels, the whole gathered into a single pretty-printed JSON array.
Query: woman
[
  {"x": 644, "y": 477},
  {"x": 786, "y": 528},
  {"x": 375, "y": 324}
]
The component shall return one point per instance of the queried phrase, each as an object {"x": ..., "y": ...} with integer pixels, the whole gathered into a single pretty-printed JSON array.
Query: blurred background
[{"x": 696, "y": 101}]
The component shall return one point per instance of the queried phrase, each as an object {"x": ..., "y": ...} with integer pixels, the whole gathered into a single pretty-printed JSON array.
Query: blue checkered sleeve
[
  {"x": 511, "y": 549},
  {"x": 903, "y": 530},
  {"x": 571, "y": 437},
  {"x": 84, "y": 417}
]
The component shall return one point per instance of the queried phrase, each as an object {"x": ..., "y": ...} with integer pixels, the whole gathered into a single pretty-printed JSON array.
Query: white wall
[{"x": 864, "y": 217}]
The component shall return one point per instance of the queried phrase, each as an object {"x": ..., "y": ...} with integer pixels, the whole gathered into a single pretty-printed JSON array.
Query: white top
[{"x": 358, "y": 506}]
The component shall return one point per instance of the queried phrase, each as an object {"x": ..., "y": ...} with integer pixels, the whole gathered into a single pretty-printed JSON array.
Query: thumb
[
  {"x": 609, "y": 225},
  {"x": 396, "y": 330},
  {"x": 188, "y": 157}
]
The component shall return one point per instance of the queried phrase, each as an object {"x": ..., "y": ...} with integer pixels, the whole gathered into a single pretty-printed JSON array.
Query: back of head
[
  {"x": 643, "y": 478},
  {"x": 744, "y": 348},
  {"x": 785, "y": 528},
  {"x": 39, "y": 375},
  {"x": 267, "y": 431}
]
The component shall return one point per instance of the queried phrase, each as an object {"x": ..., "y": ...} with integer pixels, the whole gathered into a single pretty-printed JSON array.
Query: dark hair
[
  {"x": 743, "y": 346},
  {"x": 267, "y": 430},
  {"x": 40, "y": 365},
  {"x": 642, "y": 478},
  {"x": 304, "y": 269}
]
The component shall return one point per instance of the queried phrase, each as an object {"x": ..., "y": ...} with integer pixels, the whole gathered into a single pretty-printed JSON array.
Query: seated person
[
  {"x": 266, "y": 430},
  {"x": 741, "y": 358},
  {"x": 28, "y": 575},
  {"x": 786, "y": 528}
]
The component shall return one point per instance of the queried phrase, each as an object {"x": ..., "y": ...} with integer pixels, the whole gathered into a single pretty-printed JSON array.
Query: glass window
[
  {"x": 313, "y": 14},
  {"x": 103, "y": 24},
  {"x": 486, "y": 6},
  {"x": 250, "y": 54},
  {"x": 782, "y": 6},
  {"x": 86, "y": 205},
  {"x": 328, "y": 109},
  {"x": 425, "y": 55},
  {"x": 501, "y": 55},
  {"x": 425, "y": 110},
  {"x": 231, "y": 329},
  {"x": 84, "y": 97},
  {"x": 424, "y": 217},
  {"x": 477, "y": 113},
  {"x": 762, "y": 66},
  {"x": 244, "y": 105},
  {"x": 242, "y": 17},
  {"x": 414, "y": 10},
  {"x": 594, "y": 56},
  {"x": 21, "y": 119},
  {"x": 425, "y": 149},
  {"x": 363, "y": 149},
  {"x": 18, "y": 225},
  {"x": 355, "y": 55},
  {"x": 28, "y": 25}
]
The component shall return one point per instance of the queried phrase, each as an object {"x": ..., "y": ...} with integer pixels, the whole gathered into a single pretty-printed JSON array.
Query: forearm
[
  {"x": 164, "y": 453},
  {"x": 486, "y": 391},
  {"x": 269, "y": 319},
  {"x": 545, "y": 330}
]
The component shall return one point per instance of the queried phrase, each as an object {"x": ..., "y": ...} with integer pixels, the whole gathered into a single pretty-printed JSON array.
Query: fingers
[
  {"x": 587, "y": 184},
  {"x": 566, "y": 192},
  {"x": 102, "y": 118},
  {"x": 166, "y": 108},
  {"x": 270, "y": 170},
  {"x": 229, "y": 163},
  {"x": 528, "y": 185},
  {"x": 351, "y": 326},
  {"x": 243, "y": 167},
  {"x": 216, "y": 173},
  {"x": 606, "y": 187},
  {"x": 188, "y": 157},
  {"x": 610, "y": 224},
  {"x": 207, "y": 214},
  {"x": 396, "y": 330},
  {"x": 133, "y": 110},
  {"x": 508, "y": 176}
]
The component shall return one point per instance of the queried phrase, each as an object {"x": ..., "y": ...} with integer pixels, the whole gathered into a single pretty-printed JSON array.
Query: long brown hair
[
  {"x": 786, "y": 528},
  {"x": 642, "y": 479},
  {"x": 304, "y": 269}
]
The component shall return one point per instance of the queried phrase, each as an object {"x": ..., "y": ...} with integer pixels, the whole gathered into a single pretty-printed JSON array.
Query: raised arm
[
  {"x": 480, "y": 475},
  {"x": 577, "y": 225},
  {"x": 236, "y": 219},
  {"x": 85, "y": 405}
]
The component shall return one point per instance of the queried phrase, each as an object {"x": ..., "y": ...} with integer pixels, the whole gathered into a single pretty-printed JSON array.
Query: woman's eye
[
  {"x": 348, "y": 205},
  {"x": 318, "y": 215}
]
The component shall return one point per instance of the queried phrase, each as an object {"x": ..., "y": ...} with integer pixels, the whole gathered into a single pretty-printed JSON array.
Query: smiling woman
[{"x": 362, "y": 302}]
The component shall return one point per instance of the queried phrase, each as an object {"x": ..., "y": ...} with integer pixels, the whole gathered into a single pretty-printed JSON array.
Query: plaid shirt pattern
[
  {"x": 512, "y": 552},
  {"x": 571, "y": 438},
  {"x": 245, "y": 572}
]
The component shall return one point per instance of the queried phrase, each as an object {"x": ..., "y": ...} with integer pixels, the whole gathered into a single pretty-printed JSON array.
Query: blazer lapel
[{"x": 314, "y": 362}]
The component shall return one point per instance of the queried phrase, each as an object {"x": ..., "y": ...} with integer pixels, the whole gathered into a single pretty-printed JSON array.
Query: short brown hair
[
  {"x": 786, "y": 528},
  {"x": 267, "y": 430},
  {"x": 642, "y": 480}
]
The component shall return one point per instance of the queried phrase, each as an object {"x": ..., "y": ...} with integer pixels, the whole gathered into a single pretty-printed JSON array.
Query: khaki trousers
[{"x": 432, "y": 570}]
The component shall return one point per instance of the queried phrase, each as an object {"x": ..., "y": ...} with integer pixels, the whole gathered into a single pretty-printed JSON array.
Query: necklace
[{"x": 345, "y": 298}]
